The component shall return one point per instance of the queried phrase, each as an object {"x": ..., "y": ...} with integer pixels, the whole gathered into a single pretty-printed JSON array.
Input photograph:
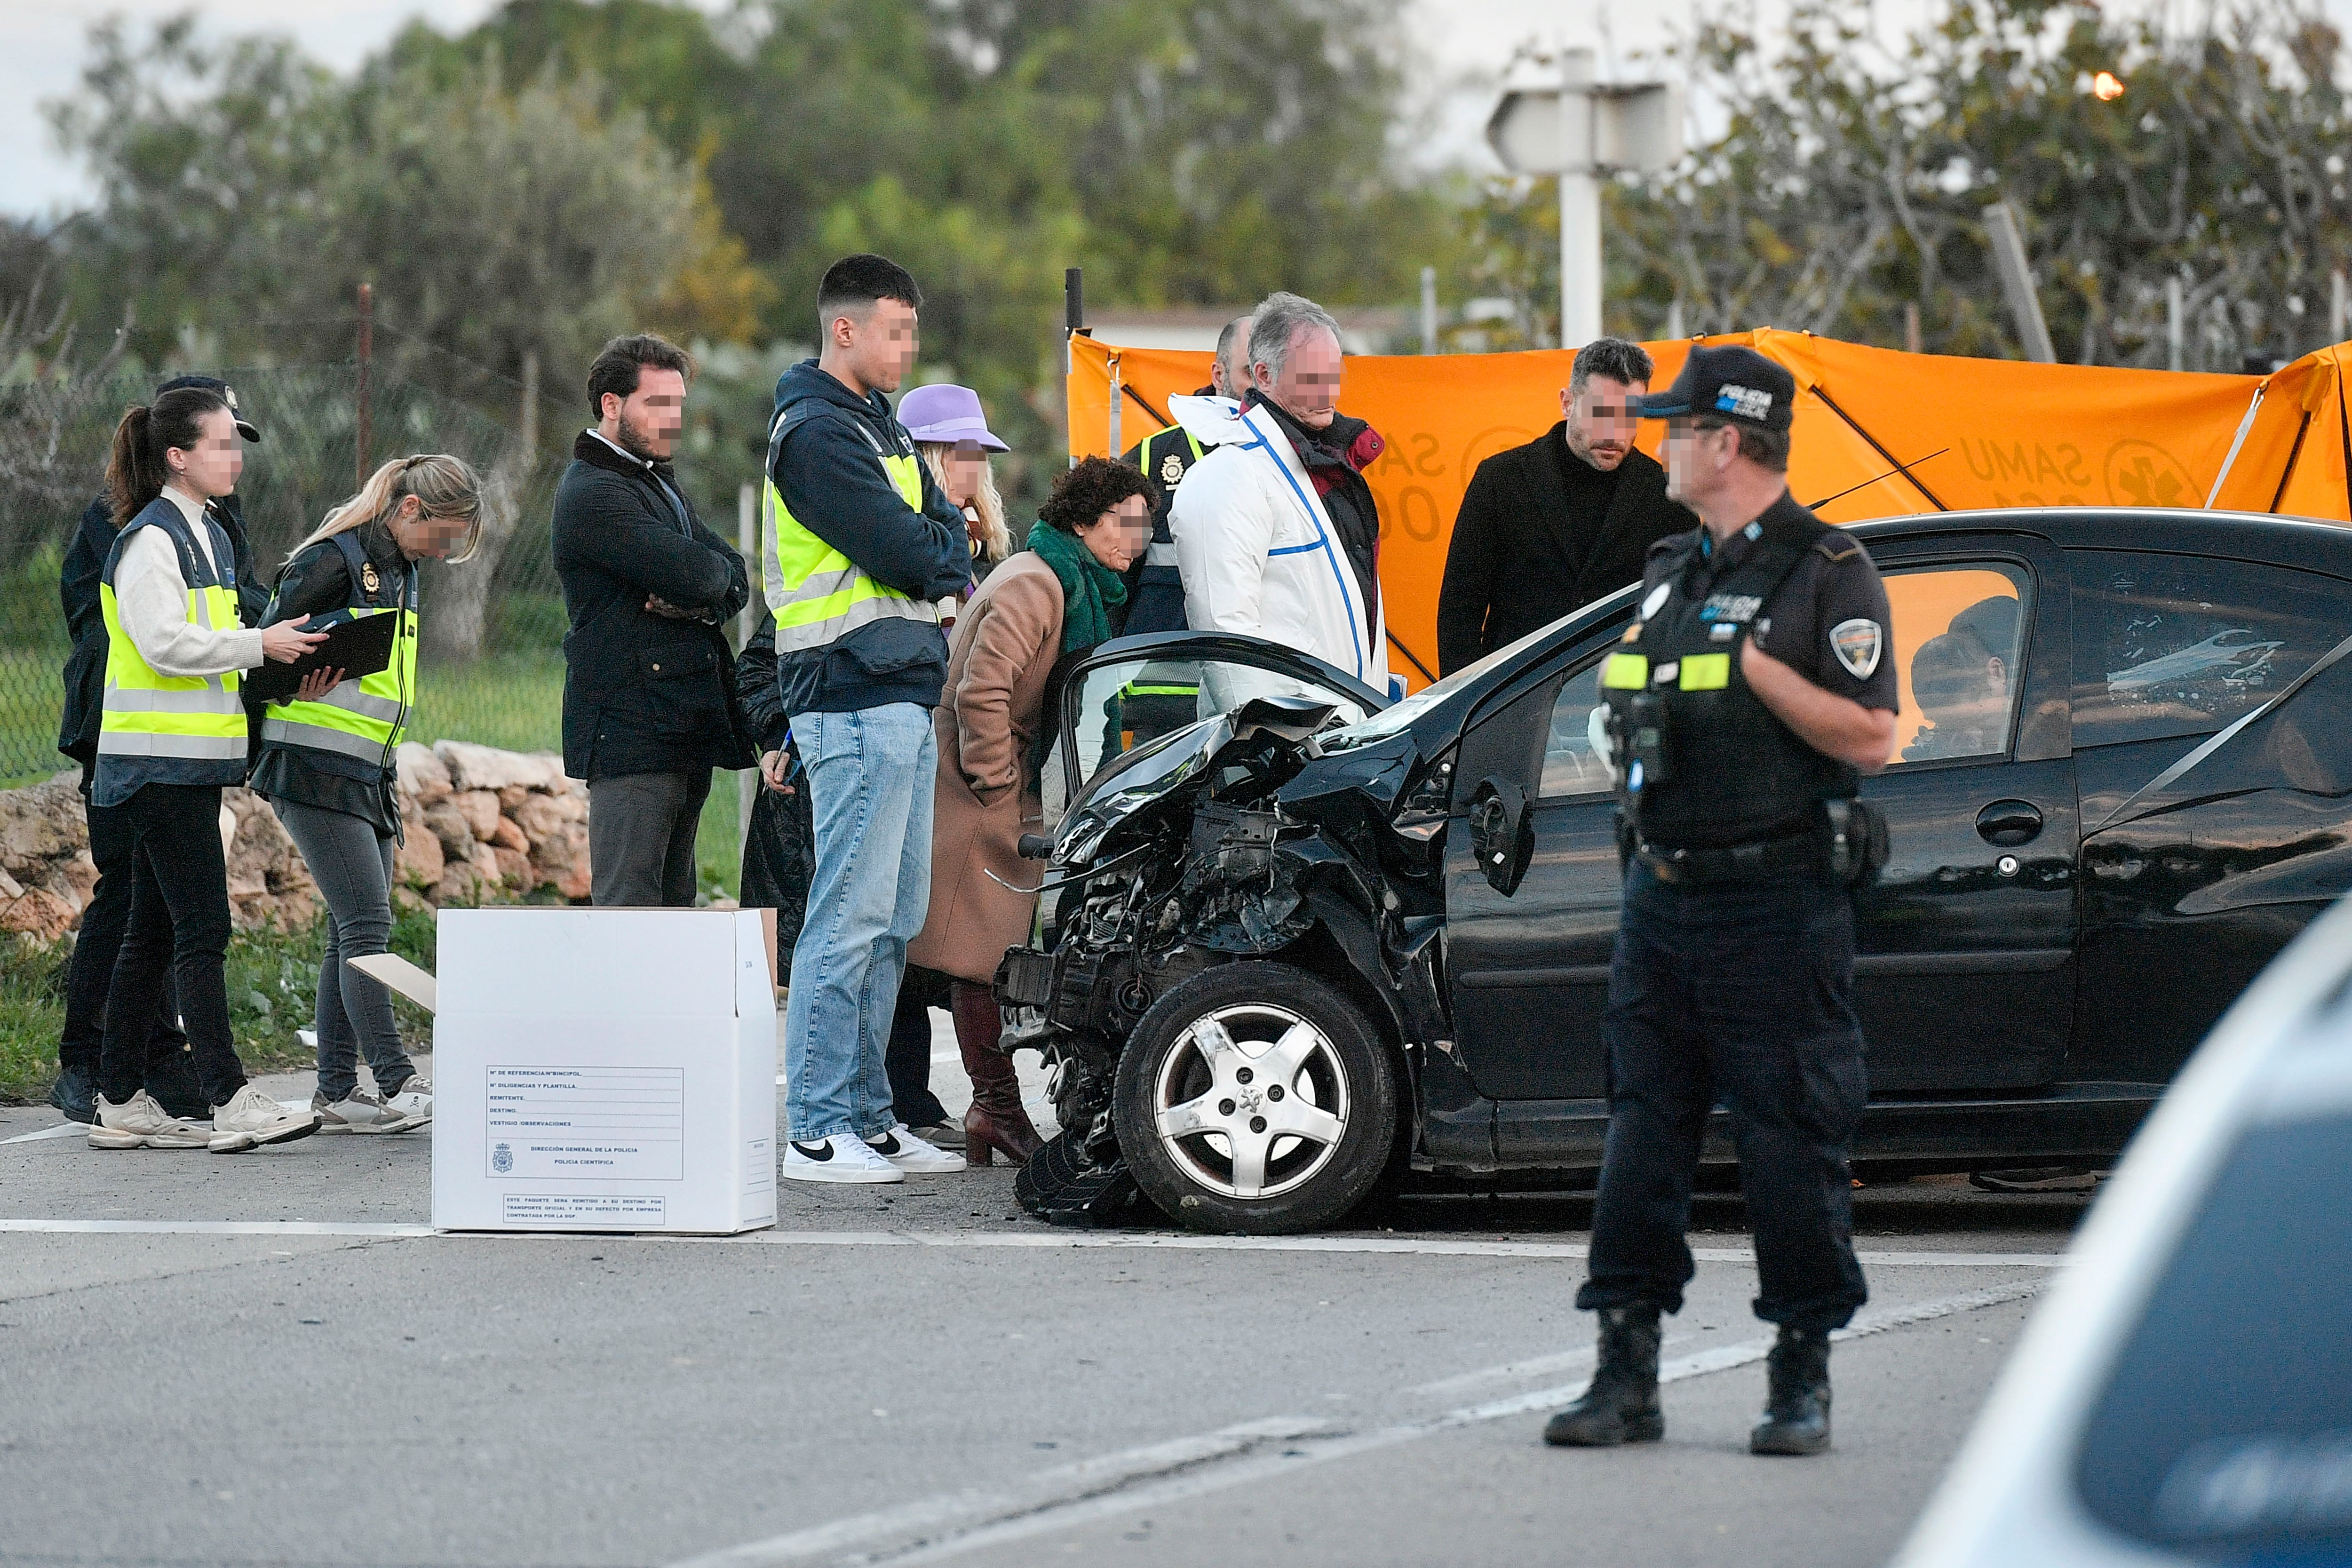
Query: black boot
[
  {"x": 1621, "y": 1403},
  {"x": 1797, "y": 1411}
]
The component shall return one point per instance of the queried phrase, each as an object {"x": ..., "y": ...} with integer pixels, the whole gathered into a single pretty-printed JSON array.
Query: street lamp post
[{"x": 1583, "y": 132}]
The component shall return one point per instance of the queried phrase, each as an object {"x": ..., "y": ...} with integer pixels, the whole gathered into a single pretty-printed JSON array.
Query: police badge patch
[
  {"x": 368, "y": 579},
  {"x": 1858, "y": 643},
  {"x": 1172, "y": 469}
]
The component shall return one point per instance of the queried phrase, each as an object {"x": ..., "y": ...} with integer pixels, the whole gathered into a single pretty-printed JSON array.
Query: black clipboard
[{"x": 357, "y": 647}]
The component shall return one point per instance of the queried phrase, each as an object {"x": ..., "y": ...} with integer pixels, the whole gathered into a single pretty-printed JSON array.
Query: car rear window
[
  {"x": 2225, "y": 1432},
  {"x": 2178, "y": 644}
]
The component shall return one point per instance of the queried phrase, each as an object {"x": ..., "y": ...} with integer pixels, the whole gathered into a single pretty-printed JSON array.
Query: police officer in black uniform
[
  {"x": 1155, "y": 593},
  {"x": 1744, "y": 704}
]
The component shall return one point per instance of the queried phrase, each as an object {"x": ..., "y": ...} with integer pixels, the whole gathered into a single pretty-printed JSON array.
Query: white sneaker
[
  {"x": 910, "y": 1154},
  {"x": 415, "y": 1099},
  {"x": 843, "y": 1157},
  {"x": 139, "y": 1124},
  {"x": 253, "y": 1119},
  {"x": 362, "y": 1110}
]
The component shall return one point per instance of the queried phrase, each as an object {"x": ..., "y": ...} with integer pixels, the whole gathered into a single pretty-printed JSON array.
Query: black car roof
[{"x": 2306, "y": 542}]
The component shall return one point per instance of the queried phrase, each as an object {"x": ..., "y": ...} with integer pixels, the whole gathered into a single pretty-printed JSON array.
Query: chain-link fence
[{"x": 492, "y": 661}]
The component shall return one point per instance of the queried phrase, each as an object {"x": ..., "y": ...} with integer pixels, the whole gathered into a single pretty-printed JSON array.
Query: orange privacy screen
[{"x": 2009, "y": 434}]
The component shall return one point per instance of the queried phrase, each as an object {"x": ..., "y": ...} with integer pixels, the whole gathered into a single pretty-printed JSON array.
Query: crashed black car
[{"x": 1315, "y": 943}]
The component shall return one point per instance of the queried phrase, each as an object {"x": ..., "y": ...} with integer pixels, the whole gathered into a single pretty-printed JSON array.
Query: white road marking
[
  {"x": 1051, "y": 1240},
  {"x": 949, "y": 1524},
  {"x": 63, "y": 1130}
]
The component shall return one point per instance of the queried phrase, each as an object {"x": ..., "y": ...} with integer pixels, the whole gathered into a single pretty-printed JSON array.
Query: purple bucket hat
[{"x": 947, "y": 415}]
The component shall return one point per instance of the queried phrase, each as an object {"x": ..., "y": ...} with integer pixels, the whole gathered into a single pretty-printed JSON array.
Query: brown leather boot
[{"x": 996, "y": 1121}]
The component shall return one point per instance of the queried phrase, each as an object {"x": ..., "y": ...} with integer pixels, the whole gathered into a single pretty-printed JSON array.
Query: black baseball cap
[
  {"x": 245, "y": 426},
  {"x": 1729, "y": 383}
]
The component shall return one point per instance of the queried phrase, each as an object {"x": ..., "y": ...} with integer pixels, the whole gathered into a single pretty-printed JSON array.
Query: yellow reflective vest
[
  {"x": 361, "y": 719},
  {"x": 817, "y": 595},
  {"x": 169, "y": 728}
]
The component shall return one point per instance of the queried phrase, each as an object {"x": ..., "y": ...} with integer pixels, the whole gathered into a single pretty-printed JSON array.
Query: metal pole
[
  {"x": 1429, "y": 310},
  {"x": 1676, "y": 326},
  {"x": 1911, "y": 342},
  {"x": 2176, "y": 325},
  {"x": 1116, "y": 399},
  {"x": 747, "y": 535},
  {"x": 2017, "y": 281},
  {"x": 363, "y": 437},
  {"x": 1073, "y": 322},
  {"x": 2338, "y": 306},
  {"x": 1580, "y": 205}
]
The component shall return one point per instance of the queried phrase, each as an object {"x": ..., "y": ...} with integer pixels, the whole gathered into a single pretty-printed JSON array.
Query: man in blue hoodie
[{"x": 861, "y": 545}]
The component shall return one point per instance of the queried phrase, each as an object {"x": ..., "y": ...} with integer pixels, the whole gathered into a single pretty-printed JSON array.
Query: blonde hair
[
  {"x": 987, "y": 502},
  {"x": 443, "y": 485}
]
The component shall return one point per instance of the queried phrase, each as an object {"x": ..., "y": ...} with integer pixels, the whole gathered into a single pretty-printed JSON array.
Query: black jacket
[
  {"x": 77, "y": 580},
  {"x": 825, "y": 467},
  {"x": 1522, "y": 554},
  {"x": 317, "y": 582},
  {"x": 780, "y": 842},
  {"x": 643, "y": 693}
]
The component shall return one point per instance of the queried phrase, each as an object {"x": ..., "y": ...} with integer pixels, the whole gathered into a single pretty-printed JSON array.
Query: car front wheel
[{"x": 1255, "y": 1098}]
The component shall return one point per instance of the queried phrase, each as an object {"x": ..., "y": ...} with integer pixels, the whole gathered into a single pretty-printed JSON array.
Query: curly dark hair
[{"x": 1082, "y": 494}]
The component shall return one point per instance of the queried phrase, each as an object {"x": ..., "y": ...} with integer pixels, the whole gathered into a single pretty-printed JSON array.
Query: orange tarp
[{"x": 2005, "y": 433}]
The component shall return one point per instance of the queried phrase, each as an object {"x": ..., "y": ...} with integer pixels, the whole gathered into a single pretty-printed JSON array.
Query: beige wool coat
[{"x": 999, "y": 660}]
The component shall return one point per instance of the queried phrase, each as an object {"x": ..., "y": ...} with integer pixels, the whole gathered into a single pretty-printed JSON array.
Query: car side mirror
[{"x": 1500, "y": 834}]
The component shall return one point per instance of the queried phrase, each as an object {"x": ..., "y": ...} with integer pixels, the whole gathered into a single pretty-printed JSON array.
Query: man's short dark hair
[
  {"x": 853, "y": 284},
  {"x": 1613, "y": 357},
  {"x": 1082, "y": 494},
  {"x": 620, "y": 364},
  {"x": 1765, "y": 448}
]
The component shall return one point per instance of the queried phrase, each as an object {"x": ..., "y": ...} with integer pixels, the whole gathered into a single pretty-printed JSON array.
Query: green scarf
[{"x": 1090, "y": 590}]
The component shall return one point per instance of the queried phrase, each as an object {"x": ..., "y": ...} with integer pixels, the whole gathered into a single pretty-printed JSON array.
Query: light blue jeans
[{"x": 870, "y": 777}]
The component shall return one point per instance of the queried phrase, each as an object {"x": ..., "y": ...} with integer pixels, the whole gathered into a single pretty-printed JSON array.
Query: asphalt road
[{"x": 247, "y": 1360}]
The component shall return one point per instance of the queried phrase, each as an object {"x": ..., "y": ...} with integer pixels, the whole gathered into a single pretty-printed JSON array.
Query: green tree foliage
[{"x": 1850, "y": 173}]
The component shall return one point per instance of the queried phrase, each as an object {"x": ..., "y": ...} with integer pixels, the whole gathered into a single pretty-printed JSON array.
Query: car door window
[
  {"x": 2178, "y": 645},
  {"x": 1958, "y": 644},
  {"x": 1570, "y": 765}
]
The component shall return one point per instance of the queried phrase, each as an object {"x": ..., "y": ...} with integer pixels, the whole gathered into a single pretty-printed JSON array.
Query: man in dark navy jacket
[{"x": 648, "y": 679}]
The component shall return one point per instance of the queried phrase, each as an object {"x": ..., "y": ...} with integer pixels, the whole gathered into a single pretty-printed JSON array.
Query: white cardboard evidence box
[{"x": 604, "y": 1070}]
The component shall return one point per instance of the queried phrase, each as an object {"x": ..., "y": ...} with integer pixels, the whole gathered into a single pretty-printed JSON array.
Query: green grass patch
[{"x": 273, "y": 978}]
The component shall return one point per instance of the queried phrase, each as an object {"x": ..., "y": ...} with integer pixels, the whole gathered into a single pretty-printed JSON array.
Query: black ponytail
[{"x": 135, "y": 468}]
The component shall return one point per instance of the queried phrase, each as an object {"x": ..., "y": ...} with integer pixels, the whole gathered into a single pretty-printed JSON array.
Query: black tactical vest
[{"x": 1702, "y": 763}]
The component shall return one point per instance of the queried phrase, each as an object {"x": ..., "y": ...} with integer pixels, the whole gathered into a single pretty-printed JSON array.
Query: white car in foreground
[{"x": 2185, "y": 1394}]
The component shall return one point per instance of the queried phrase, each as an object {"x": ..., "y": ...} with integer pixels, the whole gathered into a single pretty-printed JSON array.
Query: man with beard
[
  {"x": 648, "y": 679},
  {"x": 1559, "y": 521}
]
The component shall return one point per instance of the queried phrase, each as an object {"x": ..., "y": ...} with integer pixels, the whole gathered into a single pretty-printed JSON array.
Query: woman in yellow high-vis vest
[
  {"x": 171, "y": 734},
  {"x": 326, "y": 764}
]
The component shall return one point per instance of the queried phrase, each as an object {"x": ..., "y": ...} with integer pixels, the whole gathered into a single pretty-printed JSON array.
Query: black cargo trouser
[
  {"x": 103, "y": 923},
  {"x": 1741, "y": 994}
]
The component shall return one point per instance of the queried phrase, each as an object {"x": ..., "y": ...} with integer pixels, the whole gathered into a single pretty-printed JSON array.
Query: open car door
[{"x": 1133, "y": 692}]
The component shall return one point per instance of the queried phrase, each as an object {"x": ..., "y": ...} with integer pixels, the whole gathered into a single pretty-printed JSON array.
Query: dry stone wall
[{"x": 480, "y": 825}]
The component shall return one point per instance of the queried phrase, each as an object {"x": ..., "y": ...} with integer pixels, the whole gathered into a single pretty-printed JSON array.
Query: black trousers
[
  {"x": 641, "y": 829},
  {"x": 1739, "y": 995},
  {"x": 178, "y": 926},
  {"x": 907, "y": 1057},
  {"x": 103, "y": 921}
]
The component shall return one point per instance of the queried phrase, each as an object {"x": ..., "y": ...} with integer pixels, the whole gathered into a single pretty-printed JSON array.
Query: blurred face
[
  {"x": 423, "y": 536},
  {"x": 966, "y": 465},
  {"x": 1697, "y": 462},
  {"x": 211, "y": 467},
  {"x": 647, "y": 421},
  {"x": 1121, "y": 534},
  {"x": 1308, "y": 387},
  {"x": 873, "y": 352},
  {"x": 1230, "y": 375},
  {"x": 1600, "y": 422}
]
